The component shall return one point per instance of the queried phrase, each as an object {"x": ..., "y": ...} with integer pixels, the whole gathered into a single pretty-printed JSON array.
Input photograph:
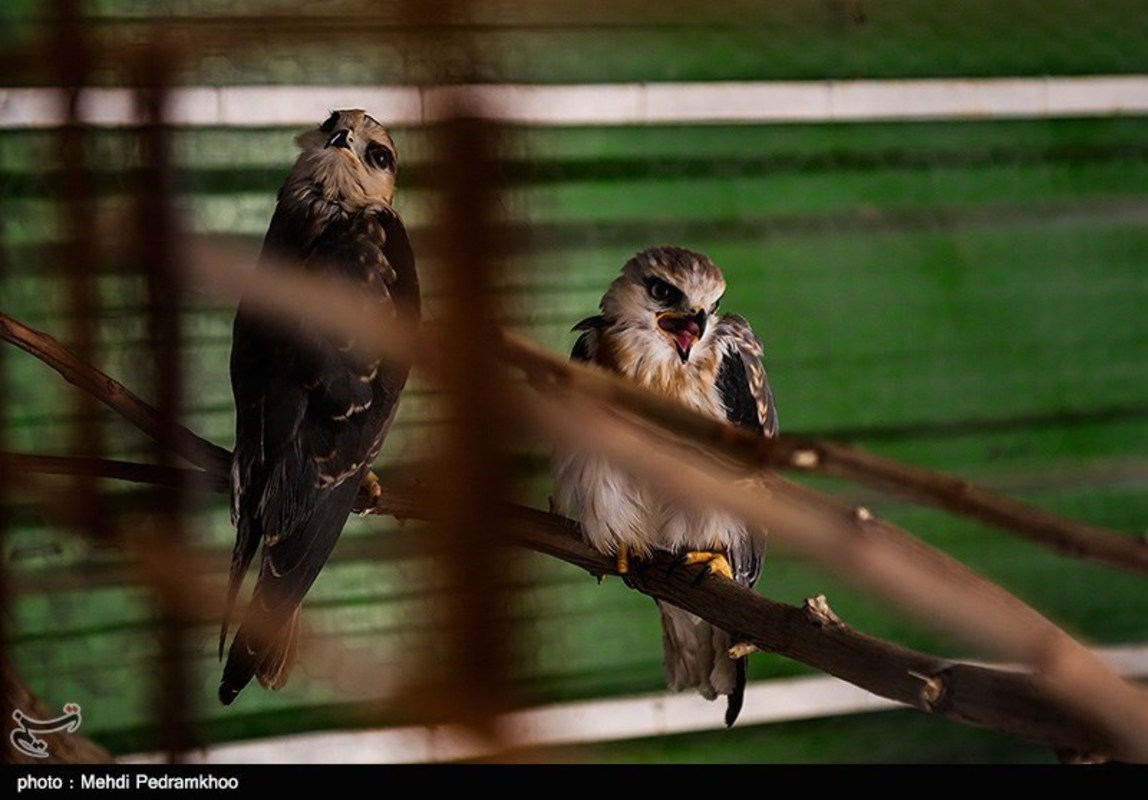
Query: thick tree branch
[
  {"x": 1007, "y": 701},
  {"x": 1004, "y": 700},
  {"x": 912, "y": 577}
]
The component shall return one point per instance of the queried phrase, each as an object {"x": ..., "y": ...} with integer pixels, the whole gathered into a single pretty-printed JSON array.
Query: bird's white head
[
  {"x": 665, "y": 299},
  {"x": 351, "y": 157}
]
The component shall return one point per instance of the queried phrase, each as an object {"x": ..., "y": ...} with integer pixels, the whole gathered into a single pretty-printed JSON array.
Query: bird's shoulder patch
[
  {"x": 586, "y": 347},
  {"x": 742, "y": 381}
]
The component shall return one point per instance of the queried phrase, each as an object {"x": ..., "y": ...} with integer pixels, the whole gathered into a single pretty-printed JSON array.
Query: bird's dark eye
[
  {"x": 329, "y": 125},
  {"x": 717, "y": 303},
  {"x": 662, "y": 291},
  {"x": 380, "y": 156}
]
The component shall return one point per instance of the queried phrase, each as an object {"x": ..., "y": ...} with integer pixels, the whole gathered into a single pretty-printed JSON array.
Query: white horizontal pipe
[
  {"x": 608, "y": 104},
  {"x": 585, "y": 722}
]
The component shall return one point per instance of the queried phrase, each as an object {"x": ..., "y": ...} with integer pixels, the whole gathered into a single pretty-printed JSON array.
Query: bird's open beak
[
  {"x": 683, "y": 329},
  {"x": 340, "y": 139}
]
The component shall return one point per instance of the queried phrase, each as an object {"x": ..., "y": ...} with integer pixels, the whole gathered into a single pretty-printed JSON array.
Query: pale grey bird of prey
[
  {"x": 659, "y": 326},
  {"x": 312, "y": 410}
]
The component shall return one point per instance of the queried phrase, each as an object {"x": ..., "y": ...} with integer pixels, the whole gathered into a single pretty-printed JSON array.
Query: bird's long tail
[
  {"x": 737, "y": 696},
  {"x": 697, "y": 657},
  {"x": 270, "y": 663}
]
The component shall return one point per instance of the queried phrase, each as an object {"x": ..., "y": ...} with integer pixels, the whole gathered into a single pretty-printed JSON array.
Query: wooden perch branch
[
  {"x": 907, "y": 573},
  {"x": 154, "y": 474},
  {"x": 960, "y": 692},
  {"x": 111, "y": 393},
  {"x": 1007, "y": 701},
  {"x": 1067, "y": 536}
]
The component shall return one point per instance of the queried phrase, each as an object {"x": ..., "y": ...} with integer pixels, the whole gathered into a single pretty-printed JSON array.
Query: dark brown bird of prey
[
  {"x": 659, "y": 327},
  {"x": 312, "y": 409}
]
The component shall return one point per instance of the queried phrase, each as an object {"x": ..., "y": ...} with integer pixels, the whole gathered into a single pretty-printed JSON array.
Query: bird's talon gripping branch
[
  {"x": 370, "y": 488},
  {"x": 716, "y": 563},
  {"x": 623, "y": 559},
  {"x": 741, "y": 650}
]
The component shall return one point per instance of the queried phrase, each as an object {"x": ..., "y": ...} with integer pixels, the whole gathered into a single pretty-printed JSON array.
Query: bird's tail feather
[
  {"x": 246, "y": 543},
  {"x": 276, "y": 667},
  {"x": 238, "y": 670},
  {"x": 252, "y": 656},
  {"x": 737, "y": 696},
  {"x": 697, "y": 657}
]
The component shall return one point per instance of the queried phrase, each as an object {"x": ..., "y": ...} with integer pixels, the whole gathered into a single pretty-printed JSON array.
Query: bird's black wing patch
[
  {"x": 742, "y": 382},
  {"x": 585, "y": 348},
  {"x": 748, "y": 400},
  {"x": 733, "y": 385}
]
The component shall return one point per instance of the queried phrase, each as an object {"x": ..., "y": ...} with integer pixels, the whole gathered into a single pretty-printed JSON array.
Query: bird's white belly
[{"x": 614, "y": 511}]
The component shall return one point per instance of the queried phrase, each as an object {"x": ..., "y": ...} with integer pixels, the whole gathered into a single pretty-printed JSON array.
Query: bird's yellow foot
[
  {"x": 370, "y": 490},
  {"x": 716, "y": 563},
  {"x": 741, "y": 650},
  {"x": 623, "y": 559}
]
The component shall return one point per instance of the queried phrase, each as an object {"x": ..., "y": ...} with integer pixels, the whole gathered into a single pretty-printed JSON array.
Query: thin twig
[
  {"x": 959, "y": 496},
  {"x": 110, "y": 392},
  {"x": 132, "y": 472}
]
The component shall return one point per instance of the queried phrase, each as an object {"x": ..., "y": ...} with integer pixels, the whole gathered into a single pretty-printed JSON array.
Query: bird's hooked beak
[
  {"x": 684, "y": 329},
  {"x": 340, "y": 138}
]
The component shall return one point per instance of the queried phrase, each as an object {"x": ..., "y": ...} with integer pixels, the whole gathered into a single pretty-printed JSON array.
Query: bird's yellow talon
[
  {"x": 374, "y": 486},
  {"x": 370, "y": 490},
  {"x": 623, "y": 559},
  {"x": 716, "y": 563}
]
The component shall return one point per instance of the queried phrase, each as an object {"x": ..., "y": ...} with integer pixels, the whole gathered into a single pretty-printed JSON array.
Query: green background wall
[{"x": 964, "y": 296}]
